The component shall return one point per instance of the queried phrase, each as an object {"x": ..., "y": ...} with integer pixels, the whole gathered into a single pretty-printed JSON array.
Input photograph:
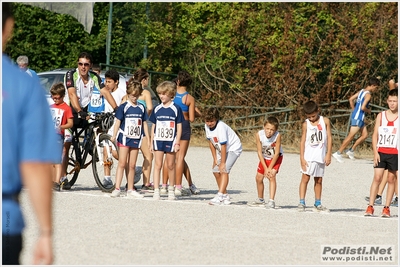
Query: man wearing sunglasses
[{"x": 80, "y": 84}]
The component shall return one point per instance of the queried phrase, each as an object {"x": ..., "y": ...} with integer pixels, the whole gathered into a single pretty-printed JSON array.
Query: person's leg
[
  {"x": 123, "y": 156},
  {"x": 349, "y": 138},
  {"x": 180, "y": 161},
  {"x": 390, "y": 190},
  {"x": 132, "y": 158},
  {"x": 272, "y": 185},
  {"x": 57, "y": 173},
  {"x": 147, "y": 162},
  {"x": 158, "y": 163},
  {"x": 378, "y": 174},
  {"x": 260, "y": 185},
  {"x": 170, "y": 159},
  {"x": 364, "y": 135},
  {"x": 303, "y": 187},
  {"x": 165, "y": 175},
  {"x": 318, "y": 190},
  {"x": 65, "y": 158},
  {"x": 187, "y": 174}
]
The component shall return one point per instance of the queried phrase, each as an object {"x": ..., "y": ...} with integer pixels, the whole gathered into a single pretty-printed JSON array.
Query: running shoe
[
  {"x": 394, "y": 202},
  {"x": 116, "y": 193},
  {"x": 257, "y": 203},
  {"x": 338, "y": 157},
  {"x": 226, "y": 199},
  {"x": 301, "y": 207},
  {"x": 369, "y": 211},
  {"x": 350, "y": 154},
  {"x": 56, "y": 186},
  {"x": 194, "y": 190},
  {"x": 378, "y": 200},
  {"x": 65, "y": 185},
  {"x": 271, "y": 204},
  {"x": 171, "y": 193},
  {"x": 156, "y": 195},
  {"x": 217, "y": 200},
  {"x": 134, "y": 194},
  {"x": 163, "y": 191},
  {"x": 182, "y": 192},
  {"x": 147, "y": 188},
  {"x": 107, "y": 183},
  {"x": 320, "y": 208},
  {"x": 385, "y": 212}
]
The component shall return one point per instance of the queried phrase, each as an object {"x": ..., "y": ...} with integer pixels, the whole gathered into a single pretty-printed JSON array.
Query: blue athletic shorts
[
  {"x": 186, "y": 131},
  {"x": 357, "y": 123}
]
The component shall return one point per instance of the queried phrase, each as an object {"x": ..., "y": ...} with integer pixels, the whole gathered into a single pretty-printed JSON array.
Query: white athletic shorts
[
  {"x": 231, "y": 158},
  {"x": 314, "y": 169}
]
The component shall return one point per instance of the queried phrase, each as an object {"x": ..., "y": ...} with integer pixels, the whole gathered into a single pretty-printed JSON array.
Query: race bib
[
  {"x": 387, "y": 136},
  {"x": 57, "y": 115},
  {"x": 316, "y": 136},
  {"x": 133, "y": 128},
  {"x": 268, "y": 151},
  {"x": 96, "y": 100},
  {"x": 165, "y": 131}
]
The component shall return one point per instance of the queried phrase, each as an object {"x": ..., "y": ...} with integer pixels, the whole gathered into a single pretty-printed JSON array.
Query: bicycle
[{"x": 96, "y": 143}]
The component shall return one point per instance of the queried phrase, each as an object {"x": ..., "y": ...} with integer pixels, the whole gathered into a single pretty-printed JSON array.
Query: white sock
[{"x": 63, "y": 178}]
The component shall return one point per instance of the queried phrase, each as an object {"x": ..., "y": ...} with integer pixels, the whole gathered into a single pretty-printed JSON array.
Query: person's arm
[
  {"x": 222, "y": 165},
  {"x": 364, "y": 108},
  {"x": 197, "y": 112},
  {"x": 277, "y": 150},
  {"x": 178, "y": 137},
  {"x": 303, "y": 162},
  {"x": 213, "y": 153},
  {"x": 37, "y": 178},
  {"x": 110, "y": 99},
  {"x": 68, "y": 125},
  {"x": 259, "y": 151},
  {"x": 392, "y": 84},
  {"x": 351, "y": 100},
  {"x": 73, "y": 98},
  {"x": 192, "y": 110},
  {"x": 375, "y": 139},
  {"x": 328, "y": 155},
  {"x": 149, "y": 103},
  {"x": 116, "y": 129}
]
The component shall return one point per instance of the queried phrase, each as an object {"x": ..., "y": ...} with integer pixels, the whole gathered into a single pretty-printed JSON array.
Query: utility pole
[
  {"x": 108, "y": 42},
  {"x": 145, "y": 38}
]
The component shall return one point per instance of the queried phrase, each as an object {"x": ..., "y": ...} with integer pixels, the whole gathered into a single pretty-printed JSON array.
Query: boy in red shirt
[{"x": 63, "y": 119}]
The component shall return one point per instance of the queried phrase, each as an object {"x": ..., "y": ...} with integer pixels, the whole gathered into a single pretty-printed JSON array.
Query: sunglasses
[
  {"x": 84, "y": 64},
  {"x": 56, "y": 98}
]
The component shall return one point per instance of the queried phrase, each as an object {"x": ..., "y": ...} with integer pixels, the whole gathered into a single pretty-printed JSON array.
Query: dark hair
[
  {"x": 140, "y": 74},
  {"x": 58, "y": 89},
  {"x": 310, "y": 107},
  {"x": 112, "y": 74},
  {"x": 272, "y": 120},
  {"x": 184, "y": 78},
  {"x": 394, "y": 92},
  {"x": 374, "y": 81},
  {"x": 7, "y": 12},
  {"x": 86, "y": 55},
  {"x": 211, "y": 114}
]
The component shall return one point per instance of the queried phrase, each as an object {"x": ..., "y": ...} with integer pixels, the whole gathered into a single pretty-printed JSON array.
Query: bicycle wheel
[
  {"x": 74, "y": 166},
  {"x": 105, "y": 163}
]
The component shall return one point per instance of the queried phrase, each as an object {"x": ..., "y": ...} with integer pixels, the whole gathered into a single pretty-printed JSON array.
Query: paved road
[{"x": 92, "y": 229}]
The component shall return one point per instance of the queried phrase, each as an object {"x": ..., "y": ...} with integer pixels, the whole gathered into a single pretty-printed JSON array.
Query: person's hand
[
  {"x": 83, "y": 114},
  {"x": 304, "y": 164},
  {"x": 222, "y": 168},
  {"x": 43, "y": 251},
  {"x": 177, "y": 147}
]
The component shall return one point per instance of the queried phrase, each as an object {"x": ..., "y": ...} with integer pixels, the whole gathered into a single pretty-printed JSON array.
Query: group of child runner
[{"x": 169, "y": 125}]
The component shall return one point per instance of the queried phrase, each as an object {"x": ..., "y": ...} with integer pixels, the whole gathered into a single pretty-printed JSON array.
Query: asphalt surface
[{"x": 91, "y": 228}]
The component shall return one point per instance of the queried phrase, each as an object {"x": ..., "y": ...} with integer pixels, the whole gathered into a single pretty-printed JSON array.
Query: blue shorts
[
  {"x": 186, "y": 130},
  {"x": 357, "y": 123}
]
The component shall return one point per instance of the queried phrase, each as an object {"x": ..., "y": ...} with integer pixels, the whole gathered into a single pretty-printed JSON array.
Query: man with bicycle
[{"x": 84, "y": 89}]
